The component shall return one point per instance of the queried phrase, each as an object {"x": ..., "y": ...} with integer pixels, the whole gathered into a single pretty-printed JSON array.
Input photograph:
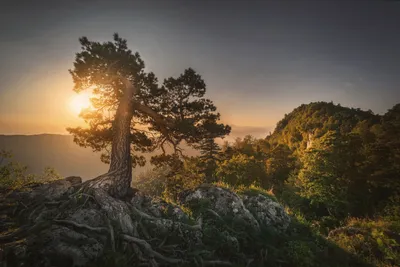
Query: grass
[{"x": 376, "y": 241}]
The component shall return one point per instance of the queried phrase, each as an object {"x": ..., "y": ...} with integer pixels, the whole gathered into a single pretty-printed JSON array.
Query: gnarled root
[
  {"x": 112, "y": 182},
  {"x": 85, "y": 221},
  {"x": 149, "y": 250}
]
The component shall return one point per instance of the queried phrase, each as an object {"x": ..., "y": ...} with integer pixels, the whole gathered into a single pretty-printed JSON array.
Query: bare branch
[{"x": 159, "y": 119}]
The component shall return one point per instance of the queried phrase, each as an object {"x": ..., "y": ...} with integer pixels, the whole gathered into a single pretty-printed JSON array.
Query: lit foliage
[
  {"x": 241, "y": 169},
  {"x": 178, "y": 109},
  {"x": 326, "y": 163},
  {"x": 329, "y": 163},
  {"x": 346, "y": 160},
  {"x": 375, "y": 241},
  {"x": 262, "y": 163},
  {"x": 168, "y": 179},
  {"x": 13, "y": 175},
  {"x": 189, "y": 176},
  {"x": 152, "y": 181},
  {"x": 326, "y": 176},
  {"x": 278, "y": 165},
  {"x": 209, "y": 158},
  {"x": 311, "y": 121}
]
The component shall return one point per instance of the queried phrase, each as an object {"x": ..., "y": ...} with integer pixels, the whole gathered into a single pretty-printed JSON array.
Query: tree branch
[{"x": 162, "y": 121}]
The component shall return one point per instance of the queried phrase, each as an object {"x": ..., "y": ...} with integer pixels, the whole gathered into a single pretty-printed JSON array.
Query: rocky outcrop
[
  {"x": 220, "y": 200},
  {"x": 159, "y": 208},
  {"x": 53, "y": 190},
  {"x": 267, "y": 212},
  {"x": 253, "y": 211},
  {"x": 65, "y": 226},
  {"x": 63, "y": 246},
  {"x": 54, "y": 238}
]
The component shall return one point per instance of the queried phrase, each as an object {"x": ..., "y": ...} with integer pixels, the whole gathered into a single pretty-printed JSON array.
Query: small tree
[
  {"x": 329, "y": 171},
  {"x": 189, "y": 176},
  {"x": 210, "y": 155},
  {"x": 209, "y": 149},
  {"x": 241, "y": 169},
  {"x": 278, "y": 165},
  {"x": 133, "y": 113}
]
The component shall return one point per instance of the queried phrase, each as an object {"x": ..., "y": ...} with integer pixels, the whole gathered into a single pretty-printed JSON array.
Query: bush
[
  {"x": 376, "y": 241},
  {"x": 153, "y": 181},
  {"x": 300, "y": 253},
  {"x": 241, "y": 170},
  {"x": 189, "y": 176},
  {"x": 14, "y": 175}
]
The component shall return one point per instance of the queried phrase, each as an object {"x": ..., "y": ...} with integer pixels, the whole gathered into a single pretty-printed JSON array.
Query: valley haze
[{"x": 59, "y": 151}]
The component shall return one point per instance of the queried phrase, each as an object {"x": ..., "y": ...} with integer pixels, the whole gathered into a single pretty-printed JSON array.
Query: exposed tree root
[
  {"x": 149, "y": 250},
  {"x": 149, "y": 217},
  {"x": 82, "y": 226},
  {"x": 123, "y": 223},
  {"x": 217, "y": 263},
  {"x": 23, "y": 231}
]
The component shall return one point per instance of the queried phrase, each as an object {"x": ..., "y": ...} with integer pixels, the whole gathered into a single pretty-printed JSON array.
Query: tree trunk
[
  {"x": 121, "y": 160},
  {"x": 117, "y": 180}
]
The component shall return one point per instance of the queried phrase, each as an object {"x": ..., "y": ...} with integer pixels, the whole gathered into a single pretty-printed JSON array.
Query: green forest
[
  {"x": 323, "y": 189},
  {"x": 335, "y": 169}
]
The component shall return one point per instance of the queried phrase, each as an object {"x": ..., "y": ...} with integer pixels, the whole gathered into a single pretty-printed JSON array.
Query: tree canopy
[{"x": 169, "y": 113}]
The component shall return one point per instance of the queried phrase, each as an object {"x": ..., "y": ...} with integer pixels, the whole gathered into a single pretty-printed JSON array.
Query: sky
[{"x": 259, "y": 59}]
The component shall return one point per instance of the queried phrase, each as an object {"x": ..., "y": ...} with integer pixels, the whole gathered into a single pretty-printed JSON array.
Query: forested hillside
[
  {"x": 347, "y": 160},
  {"x": 336, "y": 169},
  {"x": 213, "y": 134},
  {"x": 307, "y": 122}
]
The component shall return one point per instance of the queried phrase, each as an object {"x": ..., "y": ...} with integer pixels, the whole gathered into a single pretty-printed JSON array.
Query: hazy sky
[{"x": 260, "y": 59}]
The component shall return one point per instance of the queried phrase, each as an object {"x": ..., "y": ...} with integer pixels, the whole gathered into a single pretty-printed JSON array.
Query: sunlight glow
[{"x": 79, "y": 102}]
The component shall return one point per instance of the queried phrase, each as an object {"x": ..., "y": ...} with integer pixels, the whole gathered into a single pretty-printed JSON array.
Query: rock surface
[
  {"x": 254, "y": 211},
  {"x": 267, "y": 212},
  {"x": 78, "y": 234},
  {"x": 54, "y": 190},
  {"x": 159, "y": 208},
  {"x": 62, "y": 246},
  {"x": 220, "y": 200}
]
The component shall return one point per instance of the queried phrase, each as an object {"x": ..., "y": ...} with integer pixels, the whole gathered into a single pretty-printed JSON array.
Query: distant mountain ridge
[
  {"x": 60, "y": 152},
  {"x": 53, "y": 150}
]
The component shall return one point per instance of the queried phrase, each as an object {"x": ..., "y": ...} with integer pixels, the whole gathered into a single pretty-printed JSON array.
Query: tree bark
[
  {"x": 121, "y": 160},
  {"x": 117, "y": 180}
]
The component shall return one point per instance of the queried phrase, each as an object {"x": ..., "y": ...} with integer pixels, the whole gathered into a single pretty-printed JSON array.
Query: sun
[{"x": 79, "y": 102}]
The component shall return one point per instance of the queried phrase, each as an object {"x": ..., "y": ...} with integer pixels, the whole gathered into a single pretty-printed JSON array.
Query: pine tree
[{"x": 134, "y": 113}]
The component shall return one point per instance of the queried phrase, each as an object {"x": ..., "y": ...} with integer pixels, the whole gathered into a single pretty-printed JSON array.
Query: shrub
[
  {"x": 14, "y": 175},
  {"x": 373, "y": 240},
  {"x": 300, "y": 253}
]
